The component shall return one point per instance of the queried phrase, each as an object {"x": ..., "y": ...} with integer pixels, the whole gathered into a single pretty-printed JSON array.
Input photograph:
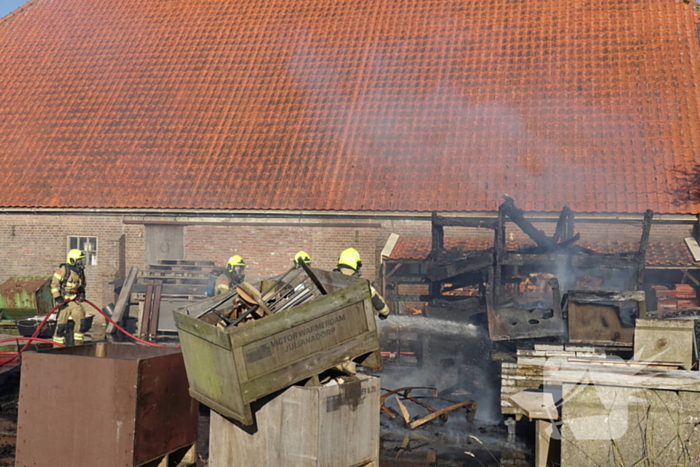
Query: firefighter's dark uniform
[{"x": 69, "y": 283}]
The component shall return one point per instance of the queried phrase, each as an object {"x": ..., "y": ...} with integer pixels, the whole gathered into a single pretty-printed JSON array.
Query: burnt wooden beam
[
  {"x": 457, "y": 302},
  {"x": 593, "y": 296},
  {"x": 438, "y": 235},
  {"x": 643, "y": 243},
  {"x": 462, "y": 222},
  {"x": 517, "y": 216},
  {"x": 556, "y": 295},
  {"x": 569, "y": 231},
  {"x": 577, "y": 261},
  {"x": 408, "y": 280},
  {"x": 500, "y": 250},
  {"x": 473, "y": 263},
  {"x": 562, "y": 223},
  {"x": 445, "y": 300}
]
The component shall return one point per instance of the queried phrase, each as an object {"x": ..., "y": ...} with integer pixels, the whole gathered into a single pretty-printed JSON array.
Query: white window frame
[{"x": 88, "y": 244}]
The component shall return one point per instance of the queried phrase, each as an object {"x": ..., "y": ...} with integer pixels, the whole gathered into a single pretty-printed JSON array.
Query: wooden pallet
[
  {"x": 184, "y": 262},
  {"x": 157, "y": 274},
  {"x": 175, "y": 280},
  {"x": 183, "y": 268},
  {"x": 140, "y": 297}
]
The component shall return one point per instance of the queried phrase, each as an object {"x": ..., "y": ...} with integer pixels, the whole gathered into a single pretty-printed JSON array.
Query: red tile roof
[
  {"x": 370, "y": 105},
  {"x": 659, "y": 253}
]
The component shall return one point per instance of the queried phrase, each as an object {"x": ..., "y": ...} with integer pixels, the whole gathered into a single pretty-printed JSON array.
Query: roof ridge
[{"x": 17, "y": 10}]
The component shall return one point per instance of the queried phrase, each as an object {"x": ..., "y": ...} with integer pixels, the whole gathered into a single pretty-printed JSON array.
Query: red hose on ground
[
  {"x": 30, "y": 340},
  {"x": 46, "y": 318}
]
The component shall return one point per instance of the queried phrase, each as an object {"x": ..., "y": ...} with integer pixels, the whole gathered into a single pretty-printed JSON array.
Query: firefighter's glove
[
  {"x": 383, "y": 317},
  {"x": 60, "y": 301},
  {"x": 81, "y": 296}
]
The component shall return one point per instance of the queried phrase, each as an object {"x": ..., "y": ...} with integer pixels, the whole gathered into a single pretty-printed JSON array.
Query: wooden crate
[
  {"x": 229, "y": 369},
  {"x": 325, "y": 426}
]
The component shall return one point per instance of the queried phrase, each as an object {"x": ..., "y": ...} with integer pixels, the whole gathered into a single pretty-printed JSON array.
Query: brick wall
[
  {"x": 269, "y": 250},
  {"x": 37, "y": 244}
]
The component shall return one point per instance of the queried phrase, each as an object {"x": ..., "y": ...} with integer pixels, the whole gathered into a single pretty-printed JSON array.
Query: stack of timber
[
  {"x": 181, "y": 280},
  {"x": 528, "y": 371}
]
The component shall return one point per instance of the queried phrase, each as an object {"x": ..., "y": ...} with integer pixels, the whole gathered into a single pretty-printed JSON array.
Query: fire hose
[{"x": 34, "y": 338}]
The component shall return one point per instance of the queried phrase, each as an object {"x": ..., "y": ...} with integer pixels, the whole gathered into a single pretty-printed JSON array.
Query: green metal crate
[{"x": 228, "y": 369}]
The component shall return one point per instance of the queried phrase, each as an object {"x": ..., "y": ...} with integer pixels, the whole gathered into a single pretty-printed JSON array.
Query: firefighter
[
  {"x": 68, "y": 290},
  {"x": 350, "y": 264},
  {"x": 232, "y": 276},
  {"x": 301, "y": 256}
]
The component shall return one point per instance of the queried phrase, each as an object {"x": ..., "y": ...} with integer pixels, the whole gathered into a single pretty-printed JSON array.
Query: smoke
[{"x": 452, "y": 356}]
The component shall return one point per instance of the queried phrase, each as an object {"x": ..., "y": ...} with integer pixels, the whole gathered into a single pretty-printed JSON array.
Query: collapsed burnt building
[{"x": 538, "y": 286}]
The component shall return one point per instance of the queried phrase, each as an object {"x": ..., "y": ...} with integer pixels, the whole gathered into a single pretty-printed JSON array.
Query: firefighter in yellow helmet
[
  {"x": 232, "y": 276},
  {"x": 68, "y": 290},
  {"x": 301, "y": 256},
  {"x": 349, "y": 263}
]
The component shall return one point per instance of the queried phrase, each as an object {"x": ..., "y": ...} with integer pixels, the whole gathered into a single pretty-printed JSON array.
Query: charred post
[
  {"x": 516, "y": 215},
  {"x": 500, "y": 251},
  {"x": 562, "y": 230},
  {"x": 643, "y": 243},
  {"x": 438, "y": 235}
]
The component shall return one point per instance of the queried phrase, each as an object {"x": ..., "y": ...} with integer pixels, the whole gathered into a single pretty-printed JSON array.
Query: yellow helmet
[
  {"x": 234, "y": 261},
  {"x": 302, "y": 256},
  {"x": 350, "y": 257},
  {"x": 74, "y": 255}
]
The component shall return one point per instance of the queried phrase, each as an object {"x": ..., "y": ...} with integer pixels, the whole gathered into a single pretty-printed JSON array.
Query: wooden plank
[
  {"x": 463, "y": 222},
  {"x": 433, "y": 415},
  {"x": 536, "y": 405},
  {"x": 404, "y": 411},
  {"x": 123, "y": 299},
  {"x": 155, "y": 310},
  {"x": 173, "y": 289},
  {"x": 148, "y": 304},
  {"x": 252, "y": 295},
  {"x": 672, "y": 380},
  {"x": 694, "y": 248},
  {"x": 596, "y": 296},
  {"x": 543, "y": 433},
  {"x": 403, "y": 446}
]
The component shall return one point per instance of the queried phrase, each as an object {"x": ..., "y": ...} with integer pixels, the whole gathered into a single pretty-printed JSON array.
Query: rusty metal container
[
  {"x": 322, "y": 426},
  {"x": 105, "y": 405},
  {"x": 230, "y": 368},
  {"x": 25, "y": 296}
]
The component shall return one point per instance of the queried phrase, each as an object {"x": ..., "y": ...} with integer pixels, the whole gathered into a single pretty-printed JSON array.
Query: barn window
[{"x": 89, "y": 247}]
